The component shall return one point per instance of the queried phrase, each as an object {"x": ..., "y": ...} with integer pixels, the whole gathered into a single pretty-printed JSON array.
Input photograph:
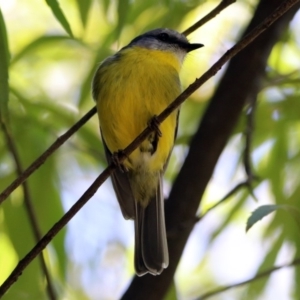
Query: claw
[
  {"x": 154, "y": 125},
  {"x": 115, "y": 158}
]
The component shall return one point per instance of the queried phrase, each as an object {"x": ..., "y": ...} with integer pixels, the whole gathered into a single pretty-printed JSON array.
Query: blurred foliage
[
  {"x": 4, "y": 53},
  {"x": 54, "y": 49}
]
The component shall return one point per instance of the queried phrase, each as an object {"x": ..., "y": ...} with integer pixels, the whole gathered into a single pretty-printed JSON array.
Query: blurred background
[{"x": 51, "y": 67}]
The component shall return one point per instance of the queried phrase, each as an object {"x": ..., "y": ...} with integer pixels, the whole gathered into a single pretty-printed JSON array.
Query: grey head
[{"x": 165, "y": 39}]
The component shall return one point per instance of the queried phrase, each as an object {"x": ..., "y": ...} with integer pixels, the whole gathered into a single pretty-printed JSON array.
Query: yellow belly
[{"x": 132, "y": 89}]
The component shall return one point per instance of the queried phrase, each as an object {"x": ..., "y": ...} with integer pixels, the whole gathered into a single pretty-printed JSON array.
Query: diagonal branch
[
  {"x": 40, "y": 160},
  {"x": 284, "y": 7},
  {"x": 102, "y": 177},
  {"x": 63, "y": 138}
]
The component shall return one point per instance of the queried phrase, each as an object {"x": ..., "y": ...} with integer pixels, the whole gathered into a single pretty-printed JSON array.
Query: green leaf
[
  {"x": 47, "y": 206},
  {"x": 122, "y": 13},
  {"x": 106, "y": 4},
  {"x": 265, "y": 210},
  {"x": 84, "y": 7},
  {"x": 40, "y": 41},
  {"x": 259, "y": 213},
  {"x": 86, "y": 82},
  {"x": 4, "y": 61},
  {"x": 293, "y": 211},
  {"x": 58, "y": 13}
]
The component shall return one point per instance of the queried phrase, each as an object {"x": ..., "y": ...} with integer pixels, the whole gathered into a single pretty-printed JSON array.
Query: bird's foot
[
  {"x": 154, "y": 125},
  {"x": 115, "y": 158}
]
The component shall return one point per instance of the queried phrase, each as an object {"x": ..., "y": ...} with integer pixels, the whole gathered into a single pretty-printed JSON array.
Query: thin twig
[
  {"x": 62, "y": 139},
  {"x": 222, "y": 5},
  {"x": 284, "y": 7},
  {"x": 29, "y": 207},
  {"x": 196, "y": 219},
  {"x": 263, "y": 274},
  {"x": 40, "y": 160},
  {"x": 226, "y": 197}
]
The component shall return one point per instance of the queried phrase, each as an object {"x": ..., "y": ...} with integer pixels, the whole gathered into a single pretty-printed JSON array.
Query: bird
[{"x": 130, "y": 89}]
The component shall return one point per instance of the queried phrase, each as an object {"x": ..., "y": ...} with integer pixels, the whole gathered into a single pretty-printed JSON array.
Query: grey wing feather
[{"x": 122, "y": 188}]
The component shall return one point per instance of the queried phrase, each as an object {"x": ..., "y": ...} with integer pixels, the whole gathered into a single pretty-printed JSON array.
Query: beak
[{"x": 192, "y": 47}]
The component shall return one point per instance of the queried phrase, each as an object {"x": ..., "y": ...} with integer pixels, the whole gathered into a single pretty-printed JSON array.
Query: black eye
[{"x": 163, "y": 36}]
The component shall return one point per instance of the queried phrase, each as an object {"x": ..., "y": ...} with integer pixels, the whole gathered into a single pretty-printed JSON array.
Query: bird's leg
[
  {"x": 115, "y": 158},
  {"x": 153, "y": 123}
]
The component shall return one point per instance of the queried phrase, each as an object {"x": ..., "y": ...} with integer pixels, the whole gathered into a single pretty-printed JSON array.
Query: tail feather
[
  {"x": 139, "y": 264},
  {"x": 151, "y": 248}
]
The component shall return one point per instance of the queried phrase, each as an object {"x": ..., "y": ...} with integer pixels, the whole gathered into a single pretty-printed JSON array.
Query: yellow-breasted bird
[{"x": 130, "y": 88}]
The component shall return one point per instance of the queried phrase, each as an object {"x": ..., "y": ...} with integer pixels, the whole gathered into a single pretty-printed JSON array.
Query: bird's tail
[{"x": 151, "y": 248}]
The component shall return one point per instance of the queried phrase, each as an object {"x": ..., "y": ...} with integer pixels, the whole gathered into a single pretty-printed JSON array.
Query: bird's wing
[{"x": 122, "y": 188}]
